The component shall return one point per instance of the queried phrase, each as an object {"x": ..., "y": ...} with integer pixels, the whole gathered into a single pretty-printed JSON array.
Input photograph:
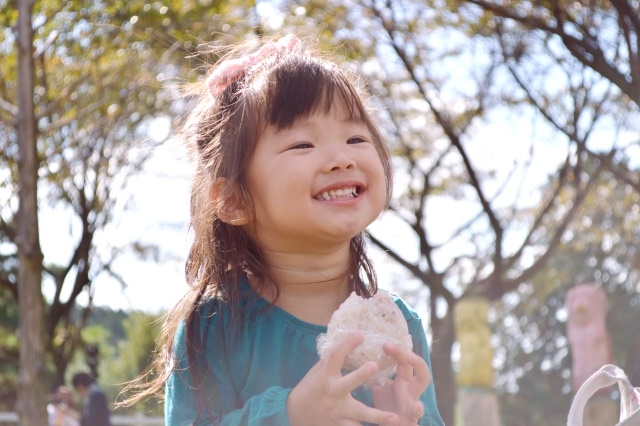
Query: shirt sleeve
[{"x": 264, "y": 409}]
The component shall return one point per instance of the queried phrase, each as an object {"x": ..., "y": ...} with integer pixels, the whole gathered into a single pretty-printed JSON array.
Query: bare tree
[
  {"x": 32, "y": 395},
  {"x": 578, "y": 26},
  {"x": 598, "y": 40}
]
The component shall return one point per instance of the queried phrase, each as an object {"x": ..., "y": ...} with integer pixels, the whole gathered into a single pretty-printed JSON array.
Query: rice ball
[{"x": 381, "y": 321}]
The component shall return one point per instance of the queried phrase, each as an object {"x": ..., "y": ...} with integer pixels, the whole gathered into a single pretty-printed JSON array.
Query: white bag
[{"x": 607, "y": 375}]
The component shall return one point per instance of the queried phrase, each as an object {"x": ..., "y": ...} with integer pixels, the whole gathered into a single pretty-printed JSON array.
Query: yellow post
[
  {"x": 478, "y": 402},
  {"x": 473, "y": 333}
]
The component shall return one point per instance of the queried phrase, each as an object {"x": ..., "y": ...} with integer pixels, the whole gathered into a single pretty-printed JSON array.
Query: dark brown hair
[{"x": 223, "y": 131}]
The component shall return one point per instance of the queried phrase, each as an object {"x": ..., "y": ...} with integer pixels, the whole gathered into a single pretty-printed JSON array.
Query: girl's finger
[
  {"x": 397, "y": 352},
  {"x": 363, "y": 413},
  {"x": 352, "y": 380},
  {"x": 339, "y": 353},
  {"x": 420, "y": 370},
  {"x": 405, "y": 369},
  {"x": 415, "y": 411},
  {"x": 410, "y": 365},
  {"x": 349, "y": 422}
]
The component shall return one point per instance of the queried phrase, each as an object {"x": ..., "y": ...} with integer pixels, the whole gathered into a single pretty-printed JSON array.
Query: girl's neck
[{"x": 312, "y": 286}]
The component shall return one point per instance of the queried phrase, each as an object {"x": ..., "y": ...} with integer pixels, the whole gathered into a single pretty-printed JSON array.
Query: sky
[{"x": 157, "y": 212}]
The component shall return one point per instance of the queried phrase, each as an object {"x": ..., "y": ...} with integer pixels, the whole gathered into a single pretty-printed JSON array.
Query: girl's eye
[
  {"x": 356, "y": 139},
  {"x": 301, "y": 145}
]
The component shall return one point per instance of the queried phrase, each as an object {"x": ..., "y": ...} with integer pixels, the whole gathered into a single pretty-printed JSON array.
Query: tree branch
[
  {"x": 436, "y": 286},
  {"x": 9, "y": 107},
  {"x": 586, "y": 50},
  {"x": 449, "y": 131}
]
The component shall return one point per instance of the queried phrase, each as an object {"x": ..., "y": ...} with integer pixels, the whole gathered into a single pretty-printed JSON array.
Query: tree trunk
[
  {"x": 31, "y": 406},
  {"x": 443, "y": 374}
]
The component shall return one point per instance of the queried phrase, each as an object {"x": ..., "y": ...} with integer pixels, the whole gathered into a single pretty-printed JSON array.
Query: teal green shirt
[{"x": 254, "y": 363}]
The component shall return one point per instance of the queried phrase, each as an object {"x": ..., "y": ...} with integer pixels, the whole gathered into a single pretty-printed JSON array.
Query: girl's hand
[
  {"x": 402, "y": 395},
  {"x": 323, "y": 396}
]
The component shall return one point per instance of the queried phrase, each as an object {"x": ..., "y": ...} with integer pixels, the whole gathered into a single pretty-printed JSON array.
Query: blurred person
[
  {"x": 95, "y": 410},
  {"x": 61, "y": 410}
]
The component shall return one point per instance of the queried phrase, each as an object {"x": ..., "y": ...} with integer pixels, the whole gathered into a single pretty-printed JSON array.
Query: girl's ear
[{"x": 229, "y": 206}]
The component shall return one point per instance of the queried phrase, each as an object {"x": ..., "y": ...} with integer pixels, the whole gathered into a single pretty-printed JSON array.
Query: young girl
[{"x": 290, "y": 171}]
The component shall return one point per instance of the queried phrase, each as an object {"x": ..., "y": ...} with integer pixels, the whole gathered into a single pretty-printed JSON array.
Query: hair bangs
[{"x": 304, "y": 86}]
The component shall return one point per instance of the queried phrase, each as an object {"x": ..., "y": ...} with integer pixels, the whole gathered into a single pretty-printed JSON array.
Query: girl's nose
[{"x": 341, "y": 161}]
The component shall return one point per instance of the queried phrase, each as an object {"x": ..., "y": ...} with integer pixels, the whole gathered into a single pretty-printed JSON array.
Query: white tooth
[{"x": 341, "y": 192}]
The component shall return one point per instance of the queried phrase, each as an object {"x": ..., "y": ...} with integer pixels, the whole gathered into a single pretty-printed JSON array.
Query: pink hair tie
[{"x": 231, "y": 70}]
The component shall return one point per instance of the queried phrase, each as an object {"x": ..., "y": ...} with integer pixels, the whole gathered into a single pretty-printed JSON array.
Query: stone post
[{"x": 590, "y": 346}]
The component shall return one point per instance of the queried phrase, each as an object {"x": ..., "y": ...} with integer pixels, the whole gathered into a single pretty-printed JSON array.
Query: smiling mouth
[{"x": 346, "y": 193}]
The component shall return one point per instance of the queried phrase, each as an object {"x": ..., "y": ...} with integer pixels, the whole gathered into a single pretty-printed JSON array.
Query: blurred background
[{"x": 515, "y": 132}]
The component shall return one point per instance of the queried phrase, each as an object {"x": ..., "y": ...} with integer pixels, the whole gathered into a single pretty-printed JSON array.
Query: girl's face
[{"x": 316, "y": 184}]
